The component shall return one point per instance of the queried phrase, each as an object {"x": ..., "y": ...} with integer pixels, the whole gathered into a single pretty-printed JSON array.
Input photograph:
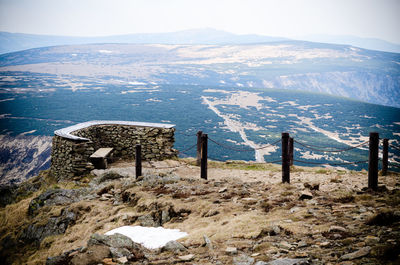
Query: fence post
[
  {"x": 285, "y": 158},
  {"x": 385, "y": 156},
  {"x": 373, "y": 160},
  {"x": 138, "y": 160},
  {"x": 291, "y": 150},
  {"x": 203, "y": 168},
  {"x": 199, "y": 133}
]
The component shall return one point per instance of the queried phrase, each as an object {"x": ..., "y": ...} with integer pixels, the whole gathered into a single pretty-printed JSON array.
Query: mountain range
[{"x": 11, "y": 42}]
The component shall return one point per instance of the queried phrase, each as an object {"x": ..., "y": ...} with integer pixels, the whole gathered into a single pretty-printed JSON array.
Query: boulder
[
  {"x": 357, "y": 254},
  {"x": 54, "y": 197},
  {"x": 173, "y": 246},
  {"x": 35, "y": 233}
]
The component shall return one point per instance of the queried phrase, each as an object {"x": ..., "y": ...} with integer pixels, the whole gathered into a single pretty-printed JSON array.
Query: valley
[{"x": 243, "y": 96}]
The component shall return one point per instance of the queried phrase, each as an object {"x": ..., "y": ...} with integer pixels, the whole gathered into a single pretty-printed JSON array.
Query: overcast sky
[{"x": 285, "y": 18}]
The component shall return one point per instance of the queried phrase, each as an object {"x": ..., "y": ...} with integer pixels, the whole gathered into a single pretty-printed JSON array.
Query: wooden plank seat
[{"x": 99, "y": 158}]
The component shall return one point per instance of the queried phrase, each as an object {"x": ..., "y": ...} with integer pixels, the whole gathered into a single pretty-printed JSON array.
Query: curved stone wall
[{"x": 72, "y": 146}]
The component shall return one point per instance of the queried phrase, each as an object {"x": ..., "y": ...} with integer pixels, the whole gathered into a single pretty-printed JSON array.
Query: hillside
[
  {"x": 23, "y": 157},
  {"x": 241, "y": 215}
]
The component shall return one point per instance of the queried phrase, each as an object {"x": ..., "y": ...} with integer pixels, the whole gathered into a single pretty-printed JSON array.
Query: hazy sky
[{"x": 286, "y": 18}]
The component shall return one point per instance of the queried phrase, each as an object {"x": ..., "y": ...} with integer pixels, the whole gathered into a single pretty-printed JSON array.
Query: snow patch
[
  {"x": 105, "y": 51},
  {"x": 149, "y": 237}
]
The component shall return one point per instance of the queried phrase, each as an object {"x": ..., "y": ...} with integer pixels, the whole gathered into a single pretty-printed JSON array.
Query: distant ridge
[
  {"x": 11, "y": 42},
  {"x": 365, "y": 43}
]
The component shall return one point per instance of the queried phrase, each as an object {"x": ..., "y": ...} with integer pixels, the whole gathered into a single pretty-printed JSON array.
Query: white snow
[
  {"x": 66, "y": 132},
  {"x": 149, "y": 237},
  {"x": 105, "y": 51}
]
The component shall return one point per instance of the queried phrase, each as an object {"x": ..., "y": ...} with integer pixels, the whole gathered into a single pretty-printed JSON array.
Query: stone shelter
[{"x": 73, "y": 146}]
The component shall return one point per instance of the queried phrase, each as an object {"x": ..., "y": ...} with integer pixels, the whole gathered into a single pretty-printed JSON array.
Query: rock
[
  {"x": 324, "y": 244},
  {"x": 147, "y": 220},
  {"x": 108, "y": 261},
  {"x": 93, "y": 255},
  {"x": 115, "y": 241},
  {"x": 173, "y": 246},
  {"x": 384, "y": 218},
  {"x": 301, "y": 255},
  {"x": 269, "y": 231},
  {"x": 186, "y": 257},
  {"x": 260, "y": 263},
  {"x": 243, "y": 260},
  {"x": 357, "y": 254},
  {"x": 285, "y": 261},
  {"x": 231, "y": 251},
  {"x": 208, "y": 242},
  {"x": 119, "y": 252},
  {"x": 294, "y": 209},
  {"x": 54, "y": 197},
  {"x": 285, "y": 245},
  {"x": 305, "y": 195},
  {"x": 35, "y": 233},
  {"x": 223, "y": 190},
  {"x": 335, "y": 228},
  {"x": 165, "y": 217},
  {"x": 64, "y": 258},
  {"x": 110, "y": 175},
  {"x": 302, "y": 244},
  {"x": 312, "y": 186},
  {"x": 122, "y": 260},
  {"x": 371, "y": 240},
  {"x": 7, "y": 194},
  {"x": 210, "y": 213},
  {"x": 119, "y": 245}
]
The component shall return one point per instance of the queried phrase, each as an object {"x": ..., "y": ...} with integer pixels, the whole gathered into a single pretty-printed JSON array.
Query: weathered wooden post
[
  {"x": 203, "y": 164},
  {"x": 373, "y": 160},
  {"x": 138, "y": 159},
  {"x": 285, "y": 158},
  {"x": 291, "y": 150},
  {"x": 385, "y": 156},
  {"x": 199, "y": 133}
]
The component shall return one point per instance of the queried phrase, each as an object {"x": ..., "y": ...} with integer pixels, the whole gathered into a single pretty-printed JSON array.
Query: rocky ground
[{"x": 242, "y": 214}]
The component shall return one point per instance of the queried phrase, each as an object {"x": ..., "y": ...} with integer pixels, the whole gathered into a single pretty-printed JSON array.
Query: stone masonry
[{"x": 72, "y": 146}]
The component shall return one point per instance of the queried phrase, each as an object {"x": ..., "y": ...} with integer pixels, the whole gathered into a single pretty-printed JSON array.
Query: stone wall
[{"x": 70, "y": 157}]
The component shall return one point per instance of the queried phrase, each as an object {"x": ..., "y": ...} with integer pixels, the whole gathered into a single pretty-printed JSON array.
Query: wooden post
[
  {"x": 199, "y": 133},
  {"x": 138, "y": 158},
  {"x": 203, "y": 169},
  {"x": 385, "y": 156},
  {"x": 291, "y": 150},
  {"x": 285, "y": 158},
  {"x": 373, "y": 160}
]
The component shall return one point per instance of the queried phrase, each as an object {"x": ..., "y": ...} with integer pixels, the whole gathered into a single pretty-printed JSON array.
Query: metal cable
[
  {"x": 188, "y": 148},
  {"x": 330, "y": 151},
  {"x": 331, "y": 164},
  {"x": 395, "y": 147},
  {"x": 240, "y": 149},
  {"x": 270, "y": 162},
  {"x": 273, "y": 162},
  {"x": 396, "y": 164},
  {"x": 219, "y": 160}
]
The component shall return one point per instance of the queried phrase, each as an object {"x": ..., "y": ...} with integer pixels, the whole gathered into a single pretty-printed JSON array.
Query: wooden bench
[{"x": 99, "y": 158}]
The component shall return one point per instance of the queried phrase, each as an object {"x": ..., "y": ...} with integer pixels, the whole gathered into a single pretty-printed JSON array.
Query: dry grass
[{"x": 254, "y": 199}]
